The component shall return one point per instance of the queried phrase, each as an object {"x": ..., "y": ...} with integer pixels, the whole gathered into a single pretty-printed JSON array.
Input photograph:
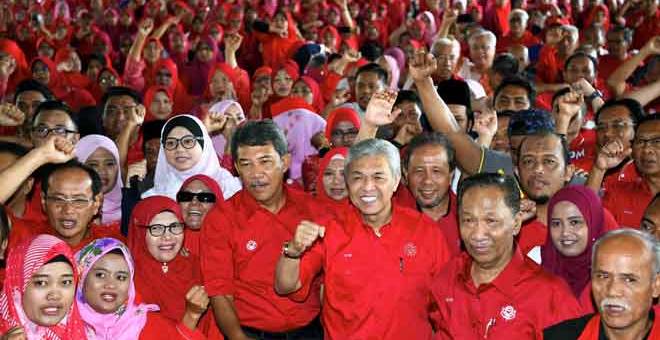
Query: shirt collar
[{"x": 506, "y": 282}]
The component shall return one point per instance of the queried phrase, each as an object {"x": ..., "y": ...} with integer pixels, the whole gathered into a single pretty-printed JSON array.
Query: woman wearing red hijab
[
  {"x": 158, "y": 102},
  {"x": 166, "y": 74},
  {"x": 198, "y": 195},
  {"x": 280, "y": 40},
  {"x": 576, "y": 219},
  {"x": 165, "y": 271},
  {"x": 45, "y": 72},
  {"x": 308, "y": 89},
  {"x": 227, "y": 83},
  {"x": 330, "y": 184},
  {"x": 342, "y": 127},
  {"x": 137, "y": 71},
  {"x": 13, "y": 66},
  {"x": 68, "y": 63},
  {"x": 197, "y": 73},
  {"x": 178, "y": 45}
]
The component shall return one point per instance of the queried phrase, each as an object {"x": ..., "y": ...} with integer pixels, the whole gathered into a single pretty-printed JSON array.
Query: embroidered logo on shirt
[
  {"x": 348, "y": 255},
  {"x": 410, "y": 249},
  {"x": 251, "y": 245},
  {"x": 508, "y": 313}
]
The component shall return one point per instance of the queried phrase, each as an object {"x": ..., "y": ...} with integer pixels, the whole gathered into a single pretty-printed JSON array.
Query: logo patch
[
  {"x": 410, "y": 249},
  {"x": 508, "y": 313},
  {"x": 251, "y": 245}
]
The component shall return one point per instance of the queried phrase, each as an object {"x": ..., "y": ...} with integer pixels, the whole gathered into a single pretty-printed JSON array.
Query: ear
[
  {"x": 656, "y": 286},
  {"x": 286, "y": 162},
  {"x": 570, "y": 170},
  {"x": 76, "y": 138},
  {"x": 28, "y": 185},
  {"x": 517, "y": 223},
  {"x": 98, "y": 203}
]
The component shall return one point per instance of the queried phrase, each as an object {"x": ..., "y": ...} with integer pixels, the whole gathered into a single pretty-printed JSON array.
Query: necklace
[{"x": 164, "y": 267}]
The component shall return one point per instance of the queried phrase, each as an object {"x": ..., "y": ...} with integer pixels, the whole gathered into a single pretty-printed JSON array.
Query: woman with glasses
[
  {"x": 198, "y": 195},
  {"x": 101, "y": 154},
  {"x": 187, "y": 150},
  {"x": 166, "y": 274},
  {"x": 107, "y": 298}
]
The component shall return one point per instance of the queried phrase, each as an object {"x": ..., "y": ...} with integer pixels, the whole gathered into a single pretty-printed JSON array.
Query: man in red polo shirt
[
  {"x": 377, "y": 258},
  {"x": 627, "y": 200},
  {"x": 493, "y": 291},
  {"x": 243, "y": 238}
]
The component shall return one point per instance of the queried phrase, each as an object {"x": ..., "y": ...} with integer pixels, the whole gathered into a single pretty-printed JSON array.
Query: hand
[
  {"x": 136, "y": 116},
  {"x": 306, "y": 234},
  {"x": 7, "y": 67},
  {"x": 260, "y": 95},
  {"x": 611, "y": 155},
  {"x": 230, "y": 127},
  {"x": 233, "y": 42},
  {"x": 652, "y": 46},
  {"x": 197, "y": 301},
  {"x": 146, "y": 26},
  {"x": 319, "y": 141},
  {"x": 449, "y": 15},
  {"x": 379, "y": 110},
  {"x": 423, "y": 65},
  {"x": 569, "y": 105},
  {"x": 407, "y": 132},
  {"x": 351, "y": 56},
  {"x": 527, "y": 209},
  {"x": 57, "y": 150},
  {"x": 485, "y": 123},
  {"x": 138, "y": 169},
  {"x": 16, "y": 333},
  {"x": 10, "y": 115},
  {"x": 215, "y": 121},
  {"x": 582, "y": 87}
]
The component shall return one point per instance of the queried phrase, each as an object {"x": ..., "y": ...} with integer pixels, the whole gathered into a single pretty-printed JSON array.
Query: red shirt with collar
[
  {"x": 518, "y": 304},
  {"x": 528, "y": 40},
  {"x": 626, "y": 173},
  {"x": 627, "y": 201},
  {"x": 242, "y": 244},
  {"x": 583, "y": 149},
  {"x": 376, "y": 287}
]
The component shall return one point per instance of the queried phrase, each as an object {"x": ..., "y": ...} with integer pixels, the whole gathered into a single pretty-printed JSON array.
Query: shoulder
[{"x": 569, "y": 329}]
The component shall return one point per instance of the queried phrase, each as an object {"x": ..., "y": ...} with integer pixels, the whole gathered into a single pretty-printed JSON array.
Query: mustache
[{"x": 614, "y": 302}]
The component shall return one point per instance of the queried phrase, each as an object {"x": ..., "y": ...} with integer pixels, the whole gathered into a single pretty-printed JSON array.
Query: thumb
[{"x": 321, "y": 232}]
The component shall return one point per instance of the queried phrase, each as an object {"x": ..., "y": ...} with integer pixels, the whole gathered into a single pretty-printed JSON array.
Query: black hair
[
  {"x": 560, "y": 93},
  {"x": 4, "y": 223},
  {"x": 579, "y": 54},
  {"x": 55, "y": 105},
  {"x": 33, "y": 85},
  {"x": 116, "y": 91},
  {"x": 116, "y": 251},
  {"x": 259, "y": 133},
  {"x": 649, "y": 118},
  {"x": 59, "y": 258},
  {"x": 13, "y": 148},
  {"x": 505, "y": 64},
  {"x": 505, "y": 183},
  {"x": 430, "y": 138},
  {"x": 408, "y": 96},
  {"x": 373, "y": 68},
  {"x": 565, "y": 152},
  {"x": 371, "y": 51},
  {"x": 185, "y": 122},
  {"x": 627, "y": 32},
  {"x": 151, "y": 130},
  {"x": 519, "y": 81},
  {"x": 94, "y": 56},
  {"x": 89, "y": 121},
  {"x": 97, "y": 185},
  {"x": 456, "y": 92},
  {"x": 634, "y": 107}
]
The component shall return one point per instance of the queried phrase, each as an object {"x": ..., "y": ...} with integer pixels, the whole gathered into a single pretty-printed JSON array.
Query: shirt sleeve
[
  {"x": 495, "y": 162},
  {"x": 311, "y": 264},
  {"x": 217, "y": 252},
  {"x": 564, "y": 305},
  {"x": 133, "y": 76}
]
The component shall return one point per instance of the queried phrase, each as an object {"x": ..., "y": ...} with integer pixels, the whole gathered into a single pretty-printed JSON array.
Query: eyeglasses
[
  {"x": 44, "y": 131},
  {"x": 61, "y": 202},
  {"x": 618, "y": 126},
  {"x": 344, "y": 133},
  {"x": 188, "y": 142},
  {"x": 157, "y": 230},
  {"x": 653, "y": 143},
  {"x": 202, "y": 197}
]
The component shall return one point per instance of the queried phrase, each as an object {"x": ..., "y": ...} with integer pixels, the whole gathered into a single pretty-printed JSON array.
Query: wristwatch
[
  {"x": 593, "y": 95},
  {"x": 286, "y": 247}
]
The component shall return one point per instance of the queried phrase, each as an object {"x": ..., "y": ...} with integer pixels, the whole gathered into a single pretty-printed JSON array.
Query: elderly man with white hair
[
  {"x": 377, "y": 258},
  {"x": 518, "y": 33},
  {"x": 482, "y": 52},
  {"x": 625, "y": 279}
]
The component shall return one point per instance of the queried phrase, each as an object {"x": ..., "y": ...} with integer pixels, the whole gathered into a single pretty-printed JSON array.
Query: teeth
[
  {"x": 51, "y": 309},
  {"x": 195, "y": 212},
  {"x": 166, "y": 247},
  {"x": 568, "y": 242},
  {"x": 368, "y": 199}
]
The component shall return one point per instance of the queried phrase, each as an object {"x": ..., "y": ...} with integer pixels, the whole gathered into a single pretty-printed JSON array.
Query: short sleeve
[{"x": 217, "y": 253}]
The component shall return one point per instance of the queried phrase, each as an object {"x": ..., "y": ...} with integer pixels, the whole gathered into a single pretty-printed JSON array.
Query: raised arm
[
  {"x": 160, "y": 31},
  {"x": 135, "y": 53},
  {"x": 232, "y": 44},
  {"x": 346, "y": 14},
  {"x": 617, "y": 80},
  {"x": 609, "y": 156},
  {"x": 135, "y": 120},
  {"x": 468, "y": 152},
  {"x": 379, "y": 113},
  {"x": 645, "y": 94},
  {"x": 287, "y": 271}
]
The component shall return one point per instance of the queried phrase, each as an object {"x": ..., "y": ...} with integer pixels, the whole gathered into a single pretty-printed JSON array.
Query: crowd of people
[{"x": 338, "y": 169}]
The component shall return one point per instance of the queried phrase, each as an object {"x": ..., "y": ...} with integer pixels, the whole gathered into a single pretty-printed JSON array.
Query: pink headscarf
[
  {"x": 111, "y": 210},
  {"x": 431, "y": 27},
  {"x": 127, "y": 322},
  {"x": 219, "y": 140},
  {"x": 394, "y": 71},
  {"x": 300, "y": 125}
]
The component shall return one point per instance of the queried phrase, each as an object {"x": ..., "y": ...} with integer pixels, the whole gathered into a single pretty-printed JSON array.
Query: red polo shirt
[
  {"x": 583, "y": 149},
  {"x": 528, "y": 40},
  {"x": 627, "y": 201},
  {"x": 376, "y": 287},
  {"x": 521, "y": 301},
  {"x": 241, "y": 245}
]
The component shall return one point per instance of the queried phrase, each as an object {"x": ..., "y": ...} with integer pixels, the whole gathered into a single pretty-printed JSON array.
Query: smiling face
[
  {"x": 49, "y": 294},
  {"x": 220, "y": 86},
  {"x": 105, "y": 164},
  {"x": 568, "y": 229},
  {"x": 107, "y": 284},
  {"x": 366, "y": 85},
  {"x": 300, "y": 89},
  {"x": 646, "y": 149},
  {"x": 262, "y": 170},
  {"x": 282, "y": 83},
  {"x": 180, "y": 158},
  {"x": 164, "y": 248},
  {"x": 161, "y": 106},
  {"x": 429, "y": 176},
  {"x": 371, "y": 185},
  {"x": 333, "y": 179},
  {"x": 195, "y": 211}
]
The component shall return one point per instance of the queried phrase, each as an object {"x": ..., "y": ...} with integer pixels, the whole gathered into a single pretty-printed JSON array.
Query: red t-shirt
[
  {"x": 627, "y": 201},
  {"x": 242, "y": 244},
  {"x": 583, "y": 149},
  {"x": 528, "y": 40},
  {"x": 376, "y": 287},
  {"x": 518, "y": 304}
]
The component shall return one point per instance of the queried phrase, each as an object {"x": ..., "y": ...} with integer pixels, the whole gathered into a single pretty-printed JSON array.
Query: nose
[
  {"x": 614, "y": 288},
  {"x": 479, "y": 232},
  {"x": 538, "y": 168},
  {"x": 369, "y": 184},
  {"x": 54, "y": 295}
]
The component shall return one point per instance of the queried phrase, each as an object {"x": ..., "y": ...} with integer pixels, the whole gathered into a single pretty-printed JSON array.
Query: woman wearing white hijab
[{"x": 187, "y": 150}]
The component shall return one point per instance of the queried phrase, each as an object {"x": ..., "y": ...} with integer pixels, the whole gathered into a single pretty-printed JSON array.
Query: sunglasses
[{"x": 202, "y": 197}]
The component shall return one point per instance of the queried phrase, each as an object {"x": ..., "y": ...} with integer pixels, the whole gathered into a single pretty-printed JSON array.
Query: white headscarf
[{"x": 168, "y": 180}]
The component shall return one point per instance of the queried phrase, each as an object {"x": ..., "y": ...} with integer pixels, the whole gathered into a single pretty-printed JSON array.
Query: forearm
[
  {"x": 646, "y": 94},
  {"x": 287, "y": 275},
  {"x": 17, "y": 173},
  {"x": 617, "y": 80},
  {"x": 367, "y": 131},
  {"x": 190, "y": 320},
  {"x": 230, "y": 58},
  {"x": 135, "y": 52},
  {"x": 595, "y": 179},
  {"x": 485, "y": 140},
  {"x": 160, "y": 31},
  {"x": 347, "y": 19},
  {"x": 123, "y": 143},
  {"x": 225, "y": 316}
]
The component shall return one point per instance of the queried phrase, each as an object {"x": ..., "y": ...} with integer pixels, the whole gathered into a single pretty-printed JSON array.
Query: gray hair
[
  {"x": 455, "y": 45},
  {"x": 520, "y": 13},
  {"x": 482, "y": 33},
  {"x": 572, "y": 30},
  {"x": 374, "y": 147},
  {"x": 650, "y": 243}
]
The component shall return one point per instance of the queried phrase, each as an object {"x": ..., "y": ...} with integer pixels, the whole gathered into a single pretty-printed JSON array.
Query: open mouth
[
  {"x": 68, "y": 224},
  {"x": 109, "y": 297}
]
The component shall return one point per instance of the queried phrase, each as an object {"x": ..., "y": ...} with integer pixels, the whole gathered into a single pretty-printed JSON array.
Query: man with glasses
[
  {"x": 619, "y": 39},
  {"x": 627, "y": 200},
  {"x": 120, "y": 106},
  {"x": 53, "y": 118},
  {"x": 29, "y": 94}
]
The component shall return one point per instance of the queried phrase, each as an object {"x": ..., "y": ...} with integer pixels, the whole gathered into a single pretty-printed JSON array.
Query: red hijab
[
  {"x": 592, "y": 16},
  {"x": 575, "y": 270},
  {"x": 24, "y": 261},
  {"x": 192, "y": 240},
  {"x": 335, "y": 33},
  {"x": 339, "y": 115},
  {"x": 149, "y": 98},
  {"x": 167, "y": 290},
  {"x": 182, "y": 101},
  {"x": 318, "y": 102},
  {"x": 321, "y": 195}
]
